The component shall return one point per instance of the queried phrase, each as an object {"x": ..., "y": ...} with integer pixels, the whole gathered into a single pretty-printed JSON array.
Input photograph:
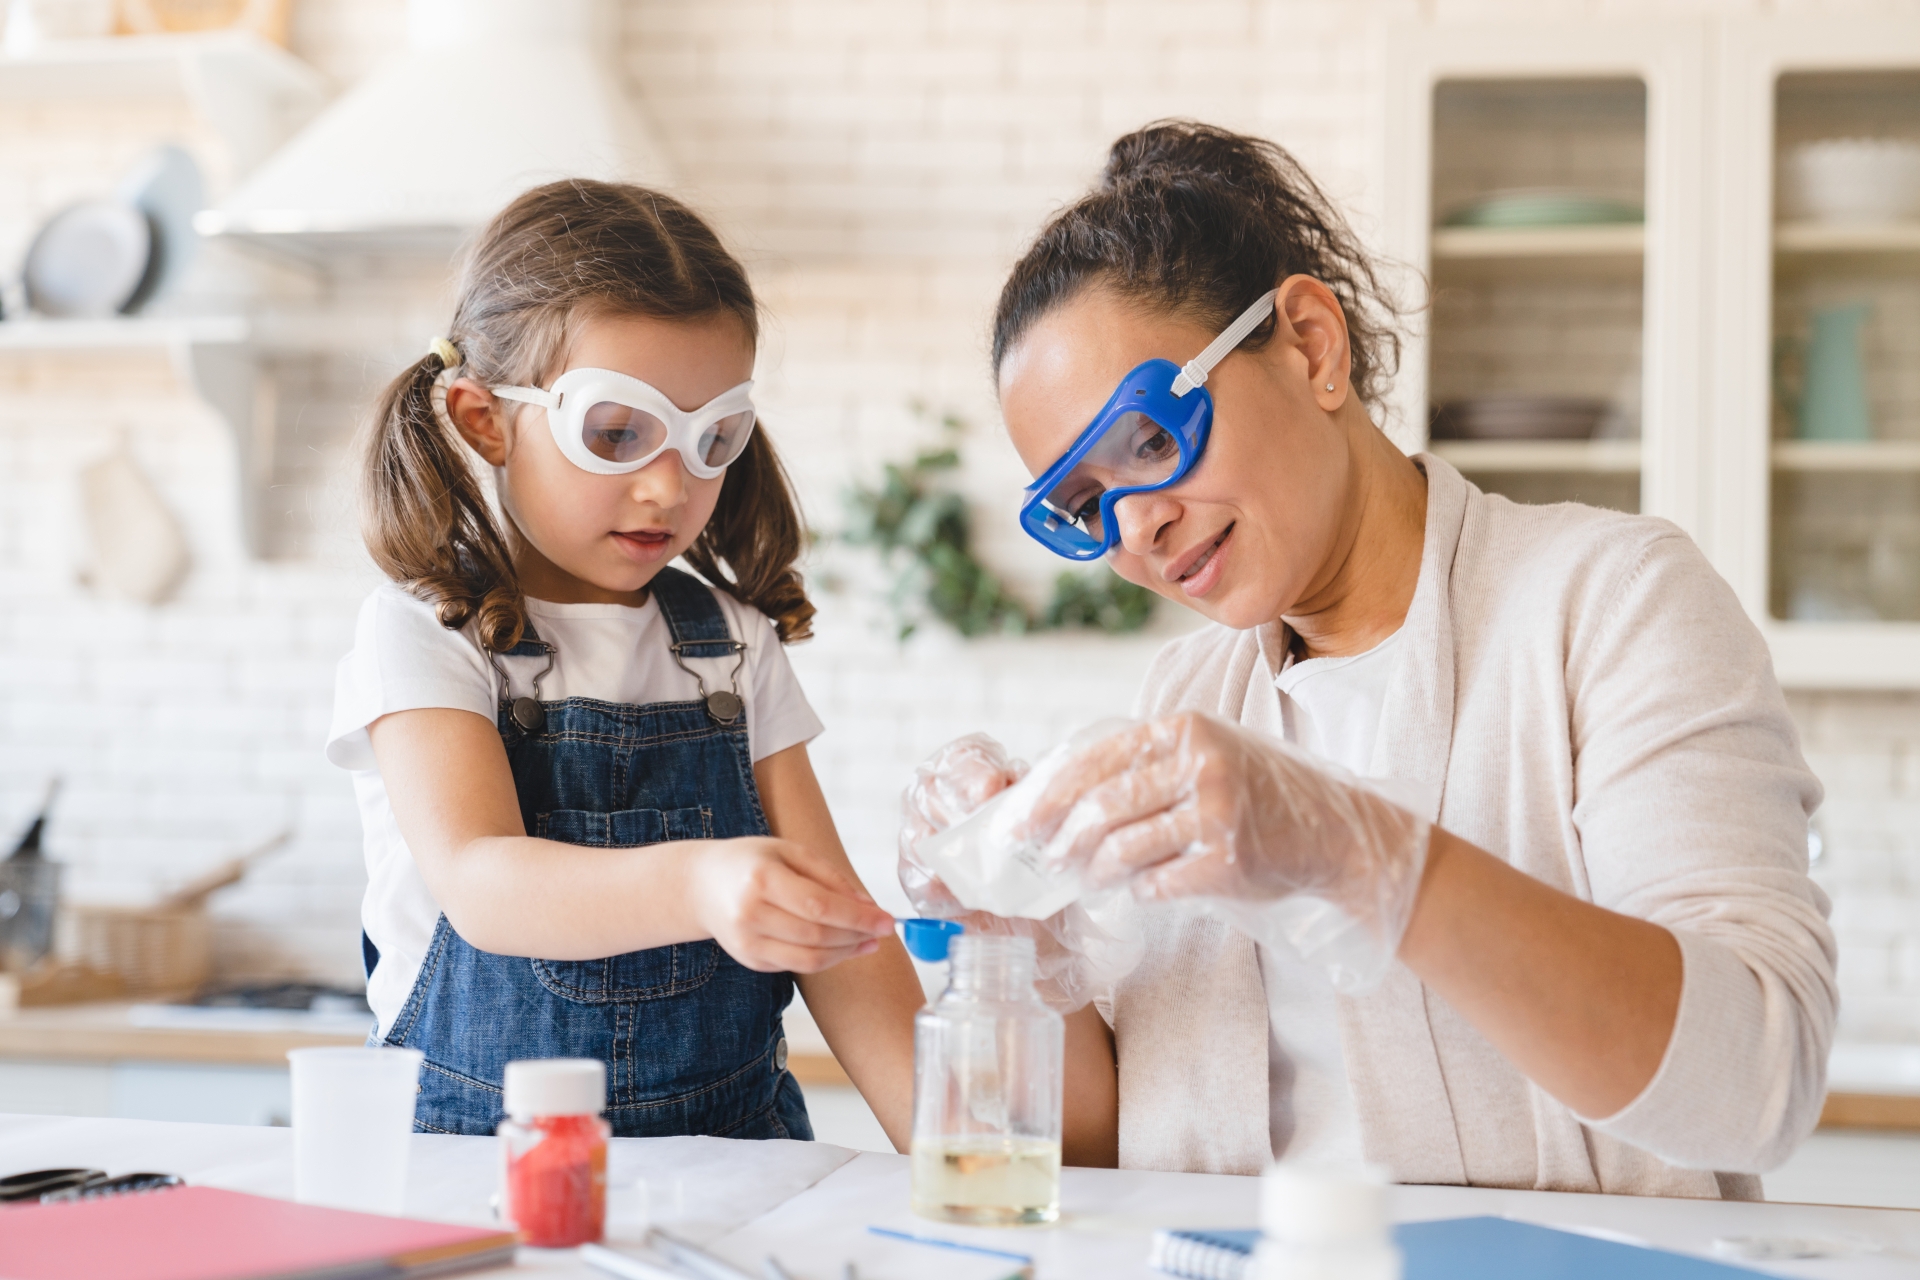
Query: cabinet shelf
[
  {"x": 1848, "y": 238},
  {"x": 1601, "y": 240},
  {"x": 1605, "y": 250},
  {"x": 1612, "y": 457},
  {"x": 1864, "y": 455}
]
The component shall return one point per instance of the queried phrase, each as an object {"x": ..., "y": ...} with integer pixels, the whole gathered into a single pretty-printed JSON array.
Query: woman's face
[
  {"x": 612, "y": 534},
  {"x": 1248, "y": 534}
]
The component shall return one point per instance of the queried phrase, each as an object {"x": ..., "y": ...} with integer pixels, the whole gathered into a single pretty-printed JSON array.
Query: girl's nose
[{"x": 662, "y": 482}]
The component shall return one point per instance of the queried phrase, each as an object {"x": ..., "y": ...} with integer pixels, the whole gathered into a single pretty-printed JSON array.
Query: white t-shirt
[
  {"x": 1331, "y": 707},
  {"x": 403, "y": 660}
]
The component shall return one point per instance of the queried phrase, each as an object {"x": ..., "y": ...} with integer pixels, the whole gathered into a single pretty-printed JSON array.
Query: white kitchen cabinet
[{"x": 1723, "y": 285}]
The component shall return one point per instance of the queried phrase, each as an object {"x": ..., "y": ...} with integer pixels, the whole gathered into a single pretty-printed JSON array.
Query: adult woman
[{"x": 1612, "y": 971}]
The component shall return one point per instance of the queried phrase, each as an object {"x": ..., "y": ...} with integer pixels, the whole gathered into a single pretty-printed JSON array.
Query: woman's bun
[
  {"x": 1199, "y": 221},
  {"x": 1186, "y": 150}
]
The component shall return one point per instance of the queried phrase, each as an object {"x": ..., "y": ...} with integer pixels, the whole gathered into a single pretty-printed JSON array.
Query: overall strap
[
  {"x": 700, "y": 630},
  {"x": 693, "y": 616}
]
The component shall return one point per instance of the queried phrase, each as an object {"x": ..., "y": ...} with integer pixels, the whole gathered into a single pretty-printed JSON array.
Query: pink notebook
[{"x": 200, "y": 1233}]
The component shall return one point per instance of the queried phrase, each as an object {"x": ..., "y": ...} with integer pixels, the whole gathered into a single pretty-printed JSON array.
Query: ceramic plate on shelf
[
  {"x": 1518, "y": 417},
  {"x": 90, "y": 260},
  {"x": 1543, "y": 207}
]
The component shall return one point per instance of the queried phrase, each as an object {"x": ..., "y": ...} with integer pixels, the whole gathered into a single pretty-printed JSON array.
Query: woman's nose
[{"x": 1142, "y": 517}]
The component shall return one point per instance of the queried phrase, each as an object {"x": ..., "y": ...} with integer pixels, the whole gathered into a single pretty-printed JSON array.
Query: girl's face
[
  {"x": 602, "y": 538},
  {"x": 1251, "y": 531}
]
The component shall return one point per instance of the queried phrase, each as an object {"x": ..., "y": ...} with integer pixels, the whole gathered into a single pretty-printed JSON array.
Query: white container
[
  {"x": 1853, "y": 180},
  {"x": 1325, "y": 1224},
  {"x": 353, "y": 1125}
]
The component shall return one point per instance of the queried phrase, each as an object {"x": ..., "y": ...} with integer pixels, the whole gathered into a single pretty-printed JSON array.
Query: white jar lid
[
  {"x": 555, "y": 1087},
  {"x": 1321, "y": 1205}
]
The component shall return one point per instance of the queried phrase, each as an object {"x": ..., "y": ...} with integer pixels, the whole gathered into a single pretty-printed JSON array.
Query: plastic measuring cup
[{"x": 353, "y": 1125}]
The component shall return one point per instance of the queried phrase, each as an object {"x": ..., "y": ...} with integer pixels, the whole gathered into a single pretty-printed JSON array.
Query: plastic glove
[
  {"x": 1081, "y": 952},
  {"x": 1285, "y": 846}
]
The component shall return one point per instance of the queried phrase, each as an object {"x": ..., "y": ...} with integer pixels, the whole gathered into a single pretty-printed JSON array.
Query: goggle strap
[
  {"x": 528, "y": 395},
  {"x": 1194, "y": 372}
]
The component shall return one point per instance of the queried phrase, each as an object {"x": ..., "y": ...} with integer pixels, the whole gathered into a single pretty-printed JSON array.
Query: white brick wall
[{"x": 879, "y": 162}]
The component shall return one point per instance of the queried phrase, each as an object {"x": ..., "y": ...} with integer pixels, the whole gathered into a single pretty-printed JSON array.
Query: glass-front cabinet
[
  {"x": 1816, "y": 309},
  {"x": 1675, "y": 268},
  {"x": 1545, "y": 182}
]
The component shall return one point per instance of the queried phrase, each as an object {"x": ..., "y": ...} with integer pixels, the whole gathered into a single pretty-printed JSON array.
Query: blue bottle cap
[{"x": 927, "y": 940}]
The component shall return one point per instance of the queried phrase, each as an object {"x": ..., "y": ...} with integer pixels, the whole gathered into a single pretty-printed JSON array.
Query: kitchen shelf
[
  {"x": 121, "y": 333},
  {"x": 1864, "y": 455},
  {"x": 1615, "y": 457},
  {"x": 252, "y": 92},
  {"x": 216, "y": 355},
  {"x": 156, "y": 65}
]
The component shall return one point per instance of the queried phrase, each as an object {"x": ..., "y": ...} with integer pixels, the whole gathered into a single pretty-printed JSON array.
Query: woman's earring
[{"x": 1329, "y": 386}]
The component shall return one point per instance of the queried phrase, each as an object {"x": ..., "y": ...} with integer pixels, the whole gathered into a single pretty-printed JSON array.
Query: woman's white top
[
  {"x": 1331, "y": 707},
  {"x": 404, "y": 660},
  {"x": 1579, "y": 693}
]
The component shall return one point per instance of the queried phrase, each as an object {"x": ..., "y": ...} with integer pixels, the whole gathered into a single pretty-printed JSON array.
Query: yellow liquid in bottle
[{"x": 993, "y": 1182}]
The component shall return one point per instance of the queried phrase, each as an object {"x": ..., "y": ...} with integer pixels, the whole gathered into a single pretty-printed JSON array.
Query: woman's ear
[
  {"x": 1312, "y": 321},
  {"x": 475, "y": 414}
]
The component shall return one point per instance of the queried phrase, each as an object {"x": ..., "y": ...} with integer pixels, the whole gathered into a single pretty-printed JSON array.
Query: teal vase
[{"x": 1833, "y": 405}]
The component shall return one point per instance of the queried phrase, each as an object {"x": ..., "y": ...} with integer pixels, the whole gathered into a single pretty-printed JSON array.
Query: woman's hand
[
  {"x": 1189, "y": 805},
  {"x": 1076, "y": 958},
  {"x": 776, "y": 906}
]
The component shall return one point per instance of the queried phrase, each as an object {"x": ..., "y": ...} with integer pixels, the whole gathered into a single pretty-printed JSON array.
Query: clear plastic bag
[
  {"x": 956, "y": 863},
  {"x": 1287, "y": 847}
]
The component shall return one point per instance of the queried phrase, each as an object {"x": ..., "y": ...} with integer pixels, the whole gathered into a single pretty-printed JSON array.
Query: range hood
[{"x": 490, "y": 97}]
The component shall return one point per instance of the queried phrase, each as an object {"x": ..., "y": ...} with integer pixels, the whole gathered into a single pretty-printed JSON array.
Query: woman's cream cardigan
[{"x": 1581, "y": 695}]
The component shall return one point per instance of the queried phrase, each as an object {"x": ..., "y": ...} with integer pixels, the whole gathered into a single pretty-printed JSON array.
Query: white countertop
[{"x": 811, "y": 1203}]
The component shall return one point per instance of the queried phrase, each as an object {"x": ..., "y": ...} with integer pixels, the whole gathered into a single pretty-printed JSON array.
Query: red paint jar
[{"x": 553, "y": 1149}]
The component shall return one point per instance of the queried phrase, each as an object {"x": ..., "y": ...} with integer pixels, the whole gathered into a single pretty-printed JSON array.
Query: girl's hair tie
[{"x": 448, "y": 353}]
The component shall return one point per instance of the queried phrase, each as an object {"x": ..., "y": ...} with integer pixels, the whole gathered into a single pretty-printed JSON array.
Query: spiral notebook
[{"x": 1458, "y": 1249}]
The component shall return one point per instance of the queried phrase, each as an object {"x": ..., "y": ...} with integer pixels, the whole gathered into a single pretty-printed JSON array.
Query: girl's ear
[{"x": 475, "y": 415}]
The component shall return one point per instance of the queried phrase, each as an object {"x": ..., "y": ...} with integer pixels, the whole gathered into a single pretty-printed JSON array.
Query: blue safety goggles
[{"x": 1148, "y": 435}]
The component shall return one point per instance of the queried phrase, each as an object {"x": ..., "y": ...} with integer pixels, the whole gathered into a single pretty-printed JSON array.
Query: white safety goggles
[{"x": 611, "y": 424}]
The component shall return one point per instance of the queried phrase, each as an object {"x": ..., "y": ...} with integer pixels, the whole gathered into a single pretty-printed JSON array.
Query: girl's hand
[{"x": 777, "y": 907}]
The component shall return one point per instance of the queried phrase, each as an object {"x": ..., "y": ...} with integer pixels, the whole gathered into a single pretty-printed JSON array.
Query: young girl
[{"x": 591, "y": 826}]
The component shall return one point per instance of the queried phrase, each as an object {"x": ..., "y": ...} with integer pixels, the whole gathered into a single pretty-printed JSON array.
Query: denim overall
[{"x": 692, "y": 1039}]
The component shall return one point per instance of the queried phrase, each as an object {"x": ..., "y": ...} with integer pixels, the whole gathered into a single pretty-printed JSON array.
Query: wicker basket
[
  {"x": 153, "y": 950},
  {"x": 158, "y": 950}
]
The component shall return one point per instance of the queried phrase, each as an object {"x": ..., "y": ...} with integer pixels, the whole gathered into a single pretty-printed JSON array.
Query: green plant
[{"x": 924, "y": 533}]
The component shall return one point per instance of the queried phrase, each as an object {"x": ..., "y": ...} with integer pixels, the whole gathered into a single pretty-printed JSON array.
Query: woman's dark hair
[
  {"x": 558, "y": 254},
  {"x": 1198, "y": 222}
]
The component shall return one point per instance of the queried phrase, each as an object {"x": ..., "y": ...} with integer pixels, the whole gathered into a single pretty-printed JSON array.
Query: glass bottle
[
  {"x": 988, "y": 1074},
  {"x": 553, "y": 1149}
]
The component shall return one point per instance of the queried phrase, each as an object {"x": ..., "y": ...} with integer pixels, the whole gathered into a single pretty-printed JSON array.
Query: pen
[
  {"x": 692, "y": 1258},
  {"x": 619, "y": 1264},
  {"x": 938, "y": 1243}
]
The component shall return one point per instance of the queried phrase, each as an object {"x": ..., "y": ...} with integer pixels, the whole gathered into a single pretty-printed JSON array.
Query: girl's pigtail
[
  {"x": 427, "y": 523},
  {"x": 756, "y": 532}
]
